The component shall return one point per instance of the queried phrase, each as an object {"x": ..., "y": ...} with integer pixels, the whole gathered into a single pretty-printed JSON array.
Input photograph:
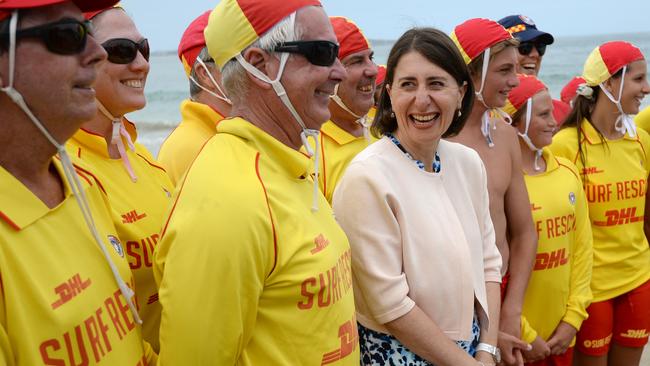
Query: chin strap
[
  {"x": 362, "y": 120},
  {"x": 486, "y": 120},
  {"x": 524, "y": 136},
  {"x": 120, "y": 131},
  {"x": 68, "y": 170},
  {"x": 624, "y": 123},
  {"x": 282, "y": 94},
  {"x": 221, "y": 95}
]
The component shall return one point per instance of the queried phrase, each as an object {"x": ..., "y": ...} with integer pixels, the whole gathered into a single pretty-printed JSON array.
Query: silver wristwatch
[{"x": 493, "y": 350}]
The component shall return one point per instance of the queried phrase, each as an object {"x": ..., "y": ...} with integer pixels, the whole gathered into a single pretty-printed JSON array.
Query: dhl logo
[
  {"x": 132, "y": 216},
  {"x": 69, "y": 289},
  {"x": 635, "y": 334},
  {"x": 597, "y": 343},
  {"x": 591, "y": 170},
  {"x": 349, "y": 340},
  {"x": 320, "y": 243},
  {"x": 551, "y": 260},
  {"x": 620, "y": 217}
]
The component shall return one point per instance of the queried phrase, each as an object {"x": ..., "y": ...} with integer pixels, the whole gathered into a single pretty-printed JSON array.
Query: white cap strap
[
  {"x": 524, "y": 136},
  {"x": 221, "y": 95},
  {"x": 624, "y": 123}
]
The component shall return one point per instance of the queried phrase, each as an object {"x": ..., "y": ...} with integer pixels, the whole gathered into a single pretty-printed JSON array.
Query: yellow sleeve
[
  {"x": 528, "y": 334},
  {"x": 565, "y": 144},
  {"x": 211, "y": 264},
  {"x": 6, "y": 354},
  {"x": 642, "y": 119},
  {"x": 580, "y": 295},
  {"x": 149, "y": 354}
]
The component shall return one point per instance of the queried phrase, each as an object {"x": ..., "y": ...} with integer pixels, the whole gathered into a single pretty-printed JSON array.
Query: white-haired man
[{"x": 253, "y": 269}]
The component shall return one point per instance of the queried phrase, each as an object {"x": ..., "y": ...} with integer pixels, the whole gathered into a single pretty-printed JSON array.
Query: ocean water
[{"x": 167, "y": 84}]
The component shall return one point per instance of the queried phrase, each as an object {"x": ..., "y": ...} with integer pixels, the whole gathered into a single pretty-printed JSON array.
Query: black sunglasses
[
  {"x": 319, "y": 53},
  {"x": 63, "y": 37},
  {"x": 525, "y": 48},
  {"x": 123, "y": 50}
]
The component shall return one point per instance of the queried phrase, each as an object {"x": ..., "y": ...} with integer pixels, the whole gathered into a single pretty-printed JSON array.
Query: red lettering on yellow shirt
[
  {"x": 328, "y": 287},
  {"x": 619, "y": 217},
  {"x": 320, "y": 243},
  {"x": 69, "y": 289},
  {"x": 591, "y": 170},
  {"x": 551, "y": 260},
  {"x": 91, "y": 335},
  {"x": 141, "y": 252},
  {"x": 132, "y": 216},
  {"x": 349, "y": 340},
  {"x": 560, "y": 225},
  {"x": 598, "y": 192},
  {"x": 631, "y": 189}
]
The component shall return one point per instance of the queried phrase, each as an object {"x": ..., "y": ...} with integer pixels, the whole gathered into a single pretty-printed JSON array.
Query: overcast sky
[{"x": 164, "y": 21}]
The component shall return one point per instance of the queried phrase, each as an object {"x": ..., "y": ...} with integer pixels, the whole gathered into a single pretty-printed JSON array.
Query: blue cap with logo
[{"x": 524, "y": 29}]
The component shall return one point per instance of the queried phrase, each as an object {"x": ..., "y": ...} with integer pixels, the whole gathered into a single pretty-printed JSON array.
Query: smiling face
[
  {"x": 120, "y": 88},
  {"x": 501, "y": 78},
  {"x": 310, "y": 86},
  {"x": 635, "y": 88},
  {"x": 529, "y": 64},
  {"x": 357, "y": 91},
  {"x": 424, "y": 98},
  {"x": 542, "y": 124}
]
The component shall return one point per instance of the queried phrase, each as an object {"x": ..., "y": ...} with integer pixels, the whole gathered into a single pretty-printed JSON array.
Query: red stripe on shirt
[{"x": 266, "y": 196}]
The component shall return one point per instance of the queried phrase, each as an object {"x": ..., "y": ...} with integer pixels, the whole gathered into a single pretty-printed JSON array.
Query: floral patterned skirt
[{"x": 379, "y": 349}]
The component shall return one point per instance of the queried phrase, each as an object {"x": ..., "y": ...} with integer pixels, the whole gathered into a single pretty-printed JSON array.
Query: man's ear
[
  {"x": 264, "y": 62},
  {"x": 202, "y": 74}
]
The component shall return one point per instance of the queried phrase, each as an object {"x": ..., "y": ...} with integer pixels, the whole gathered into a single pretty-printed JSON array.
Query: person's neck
[
  {"x": 277, "y": 121},
  {"x": 345, "y": 120},
  {"x": 528, "y": 159},
  {"x": 422, "y": 152},
  {"x": 213, "y": 102},
  {"x": 103, "y": 126},
  {"x": 475, "y": 116},
  {"x": 604, "y": 118},
  {"x": 27, "y": 155}
]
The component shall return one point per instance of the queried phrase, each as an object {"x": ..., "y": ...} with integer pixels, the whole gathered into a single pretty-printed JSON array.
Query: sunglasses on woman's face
[
  {"x": 525, "y": 48},
  {"x": 63, "y": 37},
  {"x": 123, "y": 50},
  {"x": 319, "y": 53}
]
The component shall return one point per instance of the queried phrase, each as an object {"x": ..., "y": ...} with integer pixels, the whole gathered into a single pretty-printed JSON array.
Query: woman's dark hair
[
  {"x": 440, "y": 50},
  {"x": 582, "y": 108}
]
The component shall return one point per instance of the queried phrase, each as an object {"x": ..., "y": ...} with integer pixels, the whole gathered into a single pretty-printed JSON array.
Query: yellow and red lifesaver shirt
[
  {"x": 338, "y": 148},
  {"x": 138, "y": 210},
  {"x": 271, "y": 277},
  {"x": 642, "y": 119},
  {"x": 59, "y": 301},
  {"x": 615, "y": 181},
  {"x": 559, "y": 286},
  {"x": 197, "y": 125}
]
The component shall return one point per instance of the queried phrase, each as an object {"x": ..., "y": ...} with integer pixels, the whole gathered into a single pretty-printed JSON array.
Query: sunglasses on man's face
[
  {"x": 525, "y": 48},
  {"x": 123, "y": 50},
  {"x": 319, "y": 53},
  {"x": 63, "y": 37}
]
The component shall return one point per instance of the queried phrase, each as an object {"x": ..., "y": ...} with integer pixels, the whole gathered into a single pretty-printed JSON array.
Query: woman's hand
[
  {"x": 511, "y": 348},
  {"x": 540, "y": 350},
  {"x": 484, "y": 358},
  {"x": 561, "y": 338}
]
